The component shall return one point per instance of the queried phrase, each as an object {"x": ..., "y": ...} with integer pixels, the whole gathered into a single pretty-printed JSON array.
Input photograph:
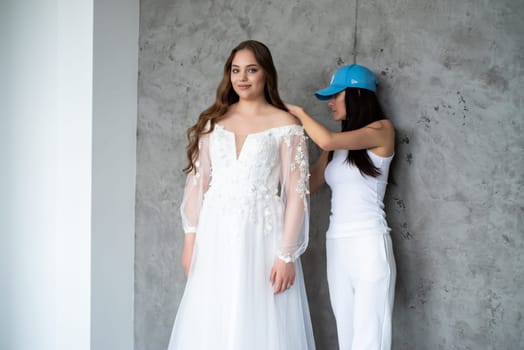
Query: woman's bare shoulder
[
  {"x": 383, "y": 123},
  {"x": 282, "y": 118},
  {"x": 382, "y": 126}
]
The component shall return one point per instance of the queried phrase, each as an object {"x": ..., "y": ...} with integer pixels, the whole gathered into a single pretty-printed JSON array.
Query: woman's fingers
[
  {"x": 282, "y": 285},
  {"x": 272, "y": 276}
]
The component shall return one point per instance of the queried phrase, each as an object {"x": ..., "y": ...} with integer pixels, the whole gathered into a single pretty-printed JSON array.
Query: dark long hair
[
  {"x": 362, "y": 108},
  {"x": 226, "y": 96}
]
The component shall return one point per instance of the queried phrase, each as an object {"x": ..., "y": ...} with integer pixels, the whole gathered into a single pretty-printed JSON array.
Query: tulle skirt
[{"x": 228, "y": 302}]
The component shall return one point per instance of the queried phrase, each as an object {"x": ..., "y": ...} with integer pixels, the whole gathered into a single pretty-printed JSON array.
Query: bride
[{"x": 245, "y": 216}]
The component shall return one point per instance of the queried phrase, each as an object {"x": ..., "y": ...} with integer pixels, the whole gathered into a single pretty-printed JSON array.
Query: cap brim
[{"x": 325, "y": 94}]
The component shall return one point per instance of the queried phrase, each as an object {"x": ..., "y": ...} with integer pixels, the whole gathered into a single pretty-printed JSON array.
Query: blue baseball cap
[{"x": 354, "y": 76}]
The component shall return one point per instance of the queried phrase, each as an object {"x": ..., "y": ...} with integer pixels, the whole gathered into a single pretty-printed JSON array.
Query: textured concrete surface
[{"x": 451, "y": 79}]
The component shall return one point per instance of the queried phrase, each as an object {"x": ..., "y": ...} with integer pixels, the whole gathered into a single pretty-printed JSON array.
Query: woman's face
[
  {"x": 247, "y": 77},
  {"x": 337, "y": 104}
]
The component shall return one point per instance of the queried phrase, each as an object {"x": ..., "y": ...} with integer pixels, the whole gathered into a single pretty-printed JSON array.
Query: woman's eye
[
  {"x": 252, "y": 70},
  {"x": 235, "y": 71}
]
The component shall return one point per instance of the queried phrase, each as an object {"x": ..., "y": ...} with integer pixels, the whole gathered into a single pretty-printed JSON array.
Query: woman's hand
[
  {"x": 187, "y": 253},
  {"x": 282, "y": 276}
]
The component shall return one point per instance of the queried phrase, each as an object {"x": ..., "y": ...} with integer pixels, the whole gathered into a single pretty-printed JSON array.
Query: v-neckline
[
  {"x": 238, "y": 150},
  {"x": 239, "y": 147}
]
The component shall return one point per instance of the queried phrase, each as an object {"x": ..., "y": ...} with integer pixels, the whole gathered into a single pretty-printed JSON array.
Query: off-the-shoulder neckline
[{"x": 262, "y": 131}]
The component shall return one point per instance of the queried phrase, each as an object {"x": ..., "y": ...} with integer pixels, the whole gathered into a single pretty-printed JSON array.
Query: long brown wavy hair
[
  {"x": 226, "y": 96},
  {"x": 362, "y": 108}
]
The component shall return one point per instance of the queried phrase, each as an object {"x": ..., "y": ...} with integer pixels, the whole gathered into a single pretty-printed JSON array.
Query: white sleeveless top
[{"x": 357, "y": 201}]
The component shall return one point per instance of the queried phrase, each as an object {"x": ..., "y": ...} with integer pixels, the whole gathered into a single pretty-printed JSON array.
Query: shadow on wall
[
  {"x": 405, "y": 246},
  {"x": 314, "y": 265}
]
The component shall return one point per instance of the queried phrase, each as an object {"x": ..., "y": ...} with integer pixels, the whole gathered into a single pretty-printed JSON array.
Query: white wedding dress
[{"x": 247, "y": 211}]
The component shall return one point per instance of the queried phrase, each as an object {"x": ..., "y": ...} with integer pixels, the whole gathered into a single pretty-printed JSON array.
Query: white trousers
[{"x": 361, "y": 275}]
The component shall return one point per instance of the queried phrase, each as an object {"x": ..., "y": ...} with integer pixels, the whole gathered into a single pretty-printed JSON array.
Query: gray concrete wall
[{"x": 451, "y": 79}]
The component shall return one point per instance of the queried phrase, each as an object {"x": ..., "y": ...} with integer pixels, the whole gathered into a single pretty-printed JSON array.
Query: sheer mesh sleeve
[
  {"x": 197, "y": 183},
  {"x": 295, "y": 195}
]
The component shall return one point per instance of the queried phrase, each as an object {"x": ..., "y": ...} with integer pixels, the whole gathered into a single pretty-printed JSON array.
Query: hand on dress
[
  {"x": 282, "y": 276},
  {"x": 187, "y": 253}
]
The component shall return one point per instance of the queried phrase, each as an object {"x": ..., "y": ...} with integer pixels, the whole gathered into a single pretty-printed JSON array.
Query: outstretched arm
[{"x": 374, "y": 135}]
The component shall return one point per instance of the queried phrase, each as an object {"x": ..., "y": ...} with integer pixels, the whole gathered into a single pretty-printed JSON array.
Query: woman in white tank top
[{"x": 355, "y": 164}]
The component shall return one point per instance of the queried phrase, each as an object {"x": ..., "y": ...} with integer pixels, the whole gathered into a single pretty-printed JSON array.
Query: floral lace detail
[{"x": 300, "y": 160}]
